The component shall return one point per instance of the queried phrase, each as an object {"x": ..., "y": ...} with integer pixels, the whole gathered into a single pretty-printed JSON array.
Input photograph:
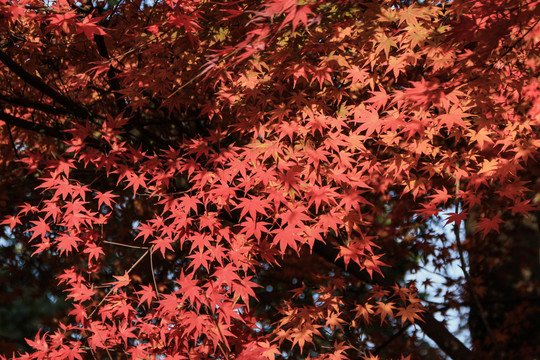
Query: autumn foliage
[{"x": 253, "y": 179}]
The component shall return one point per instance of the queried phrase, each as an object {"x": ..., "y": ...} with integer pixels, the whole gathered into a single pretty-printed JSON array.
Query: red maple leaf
[
  {"x": 147, "y": 294},
  {"x": 67, "y": 242},
  {"x": 145, "y": 230},
  {"x": 253, "y": 205},
  {"x": 290, "y": 236},
  {"x": 488, "y": 224},
  {"x": 125, "y": 332},
  {"x": 456, "y": 218},
  {"x": 105, "y": 198},
  {"x": 40, "y": 229},
  {"x": 369, "y": 120},
  {"x": 523, "y": 207},
  {"x": 70, "y": 352},
  {"x": 93, "y": 250},
  {"x": 411, "y": 312},
  {"x": 90, "y": 27},
  {"x": 121, "y": 281},
  {"x": 162, "y": 244},
  {"x": 12, "y": 221},
  {"x": 80, "y": 292}
]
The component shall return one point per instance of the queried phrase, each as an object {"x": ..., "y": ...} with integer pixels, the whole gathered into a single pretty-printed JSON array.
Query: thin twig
[
  {"x": 201, "y": 73},
  {"x": 126, "y": 245},
  {"x": 153, "y": 275},
  {"x": 226, "y": 351},
  {"x": 129, "y": 271},
  {"x": 150, "y": 250}
]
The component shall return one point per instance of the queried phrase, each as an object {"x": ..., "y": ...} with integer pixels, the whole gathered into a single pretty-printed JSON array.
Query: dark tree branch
[
  {"x": 43, "y": 87},
  {"x": 116, "y": 87},
  {"x": 111, "y": 73},
  {"x": 28, "y": 125},
  {"x": 11, "y": 120},
  {"x": 13, "y": 146},
  {"x": 17, "y": 101},
  {"x": 391, "y": 339},
  {"x": 70, "y": 106},
  {"x": 433, "y": 328},
  {"x": 468, "y": 281}
]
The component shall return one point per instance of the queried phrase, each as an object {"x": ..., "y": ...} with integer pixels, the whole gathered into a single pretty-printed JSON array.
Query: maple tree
[{"x": 254, "y": 179}]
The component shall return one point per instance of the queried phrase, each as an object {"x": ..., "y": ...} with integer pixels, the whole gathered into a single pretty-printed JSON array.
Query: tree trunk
[{"x": 505, "y": 271}]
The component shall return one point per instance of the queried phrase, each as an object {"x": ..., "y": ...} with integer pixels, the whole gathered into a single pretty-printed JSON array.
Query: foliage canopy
[{"x": 253, "y": 179}]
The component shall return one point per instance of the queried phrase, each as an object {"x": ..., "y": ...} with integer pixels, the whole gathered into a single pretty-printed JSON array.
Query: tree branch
[
  {"x": 47, "y": 130},
  {"x": 468, "y": 280},
  {"x": 111, "y": 73},
  {"x": 17, "y": 101},
  {"x": 12, "y": 141},
  {"x": 433, "y": 328},
  {"x": 392, "y": 338},
  {"x": 71, "y": 106},
  {"x": 28, "y": 125},
  {"x": 43, "y": 87}
]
